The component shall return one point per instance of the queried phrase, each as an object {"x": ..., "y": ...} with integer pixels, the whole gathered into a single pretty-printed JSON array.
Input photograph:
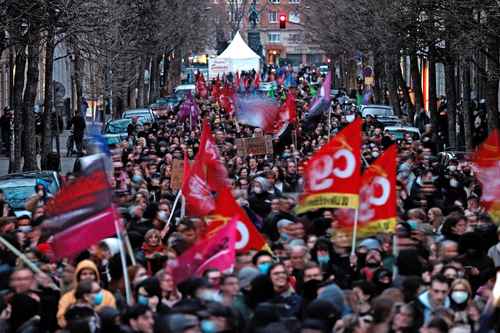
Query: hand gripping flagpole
[{"x": 172, "y": 211}]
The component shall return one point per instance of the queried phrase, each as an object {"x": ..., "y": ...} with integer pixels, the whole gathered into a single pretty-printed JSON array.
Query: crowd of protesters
[{"x": 437, "y": 274}]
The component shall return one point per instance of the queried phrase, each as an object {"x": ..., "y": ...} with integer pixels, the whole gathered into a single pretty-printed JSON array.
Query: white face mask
[
  {"x": 453, "y": 182},
  {"x": 350, "y": 117},
  {"x": 162, "y": 215},
  {"x": 459, "y": 297},
  {"x": 452, "y": 168}
]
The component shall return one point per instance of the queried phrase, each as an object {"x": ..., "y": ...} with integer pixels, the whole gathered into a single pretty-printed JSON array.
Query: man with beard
[{"x": 372, "y": 263}]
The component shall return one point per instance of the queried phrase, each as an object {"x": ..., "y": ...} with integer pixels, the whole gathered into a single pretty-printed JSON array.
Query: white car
[
  {"x": 145, "y": 115},
  {"x": 182, "y": 90}
]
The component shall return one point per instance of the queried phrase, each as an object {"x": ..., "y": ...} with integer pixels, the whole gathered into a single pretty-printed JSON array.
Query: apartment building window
[
  {"x": 274, "y": 37},
  {"x": 294, "y": 38},
  {"x": 294, "y": 17},
  {"x": 294, "y": 1},
  {"x": 273, "y": 17},
  {"x": 275, "y": 1}
]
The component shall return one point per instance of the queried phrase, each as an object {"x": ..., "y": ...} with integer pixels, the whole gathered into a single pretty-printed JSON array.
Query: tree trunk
[
  {"x": 140, "y": 82},
  {"x": 29, "y": 146},
  {"x": 47, "y": 104},
  {"x": 18, "y": 107},
  {"x": 393, "y": 83},
  {"x": 153, "y": 83},
  {"x": 492, "y": 83},
  {"x": 433, "y": 94},
  {"x": 77, "y": 78},
  {"x": 452, "y": 103},
  {"x": 416, "y": 78},
  {"x": 467, "y": 105},
  {"x": 378, "y": 88}
]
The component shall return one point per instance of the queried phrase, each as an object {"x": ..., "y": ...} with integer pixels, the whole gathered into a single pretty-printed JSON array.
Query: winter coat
[{"x": 68, "y": 299}]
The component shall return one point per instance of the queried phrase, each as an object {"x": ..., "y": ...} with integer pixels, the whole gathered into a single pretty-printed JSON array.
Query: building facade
[{"x": 287, "y": 45}]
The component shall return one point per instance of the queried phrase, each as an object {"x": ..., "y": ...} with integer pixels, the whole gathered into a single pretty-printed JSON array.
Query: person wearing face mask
[
  {"x": 88, "y": 296},
  {"x": 148, "y": 292},
  {"x": 259, "y": 198},
  {"x": 460, "y": 298}
]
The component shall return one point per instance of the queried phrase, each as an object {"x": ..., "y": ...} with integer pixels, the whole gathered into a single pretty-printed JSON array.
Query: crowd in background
[{"x": 437, "y": 275}]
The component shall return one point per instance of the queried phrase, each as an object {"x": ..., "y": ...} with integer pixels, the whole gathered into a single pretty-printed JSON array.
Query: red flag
[
  {"x": 332, "y": 176},
  {"x": 288, "y": 110},
  {"x": 487, "y": 167},
  {"x": 216, "y": 173},
  {"x": 81, "y": 236},
  {"x": 248, "y": 237},
  {"x": 201, "y": 87},
  {"x": 257, "y": 80},
  {"x": 216, "y": 252},
  {"x": 199, "y": 198},
  {"x": 377, "y": 208},
  {"x": 207, "y": 174},
  {"x": 226, "y": 98}
]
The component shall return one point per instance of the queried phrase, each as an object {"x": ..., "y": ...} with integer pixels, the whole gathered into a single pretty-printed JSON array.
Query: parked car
[
  {"x": 115, "y": 131},
  {"x": 376, "y": 110},
  {"x": 383, "y": 113},
  {"x": 165, "y": 104},
  {"x": 19, "y": 187},
  {"x": 182, "y": 90},
  {"x": 400, "y": 132},
  {"x": 146, "y": 115}
]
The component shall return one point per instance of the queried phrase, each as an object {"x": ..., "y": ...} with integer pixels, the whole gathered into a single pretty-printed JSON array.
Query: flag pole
[
  {"x": 354, "y": 232},
  {"x": 129, "y": 248},
  {"x": 24, "y": 259},
  {"x": 126, "y": 280}
]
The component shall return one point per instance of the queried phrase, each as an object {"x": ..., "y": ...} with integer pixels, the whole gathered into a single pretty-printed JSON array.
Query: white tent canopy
[{"x": 237, "y": 57}]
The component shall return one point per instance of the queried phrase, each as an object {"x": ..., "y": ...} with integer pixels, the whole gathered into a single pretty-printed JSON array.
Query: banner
[
  {"x": 332, "y": 176},
  {"x": 248, "y": 237},
  {"x": 261, "y": 145},
  {"x": 486, "y": 163},
  {"x": 377, "y": 208},
  {"x": 178, "y": 173},
  {"x": 257, "y": 111},
  {"x": 216, "y": 252}
]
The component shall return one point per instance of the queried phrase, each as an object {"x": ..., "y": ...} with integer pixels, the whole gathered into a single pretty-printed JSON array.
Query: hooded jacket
[
  {"x": 68, "y": 299},
  {"x": 426, "y": 308}
]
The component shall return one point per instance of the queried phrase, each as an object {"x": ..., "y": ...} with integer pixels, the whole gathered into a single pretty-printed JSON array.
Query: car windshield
[
  {"x": 17, "y": 191},
  {"x": 142, "y": 115},
  {"x": 400, "y": 134},
  {"x": 375, "y": 111},
  {"x": 117, "y": 127}
]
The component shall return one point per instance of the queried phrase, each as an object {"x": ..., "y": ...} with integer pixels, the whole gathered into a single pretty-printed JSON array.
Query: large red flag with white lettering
[
  {"x": 332, "y": 176},
  {"x": 218, "y": 251},
  {"x": 377, "y": 207},
  {"x": 487, "y": 167},
  {"x": 248, "y": 237}
]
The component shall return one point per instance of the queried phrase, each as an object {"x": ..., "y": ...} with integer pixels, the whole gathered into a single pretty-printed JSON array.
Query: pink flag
[
  {"x": 217, "y": 252},
  {"x": 79, "y": 237}
]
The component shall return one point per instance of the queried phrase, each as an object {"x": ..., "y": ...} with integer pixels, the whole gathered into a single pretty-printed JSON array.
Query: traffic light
[{"x": 282, "y": 21}]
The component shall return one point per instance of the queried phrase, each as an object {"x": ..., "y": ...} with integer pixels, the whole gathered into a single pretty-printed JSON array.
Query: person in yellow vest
[{"x": 85, "y": 271}]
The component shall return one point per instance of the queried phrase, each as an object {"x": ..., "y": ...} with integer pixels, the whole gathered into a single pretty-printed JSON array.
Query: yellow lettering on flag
[{"x": 328, "y": 200}]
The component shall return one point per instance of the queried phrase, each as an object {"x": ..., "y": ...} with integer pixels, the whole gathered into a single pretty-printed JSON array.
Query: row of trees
[
  {"x": 464, "y": 35},
  {"x": 111, "y": 44}
]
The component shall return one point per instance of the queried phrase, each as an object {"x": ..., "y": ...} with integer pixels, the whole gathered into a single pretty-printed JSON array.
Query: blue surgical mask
[
  {"x": 284, "y": 237},
  {"x": 323, "y": 260},
  {"x": 459, "y": 297},
  {"x": 208, "y": 326},
  {"x": 98, "y": 298},
  {"x": 264, "y": 267},
  {"x": 142, "y": 300}
]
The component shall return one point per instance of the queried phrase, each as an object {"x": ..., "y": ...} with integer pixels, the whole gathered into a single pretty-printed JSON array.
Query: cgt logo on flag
[{"x": 332, "y": 176}]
